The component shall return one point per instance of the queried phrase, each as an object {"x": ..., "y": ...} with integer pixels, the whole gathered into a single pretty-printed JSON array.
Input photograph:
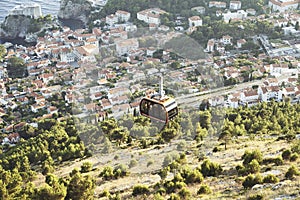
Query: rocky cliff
[
  {"x": 15, "y": 26},
  {"x": 75, "y": 9}
]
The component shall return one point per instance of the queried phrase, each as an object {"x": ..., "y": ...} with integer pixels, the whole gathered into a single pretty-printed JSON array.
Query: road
[{"x": 193, "y": 100}]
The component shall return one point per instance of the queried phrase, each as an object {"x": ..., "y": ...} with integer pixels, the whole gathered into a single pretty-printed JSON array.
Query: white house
[
  {"x": 86, "y": 53},
  {"x": 278, "y": 69},
  {"x": 195, "y": 21},
  {"x": 283, "y": 5},
  {"x": 199, "y": 9},
  {"x": 123, "y": 16},
  {"x": 235, "y": 5},
  {"x": 210, "y": 45},
  {"x": 240, "y": 43},
  {"x": 217, "y": 4},
  {"x": 226, "y": 39},
  {"x": 239, "y": 15},
  {"x": 111, "y": 19},
  {"x": 150, "y": 16},
  {"x": 124, "y": 46}
]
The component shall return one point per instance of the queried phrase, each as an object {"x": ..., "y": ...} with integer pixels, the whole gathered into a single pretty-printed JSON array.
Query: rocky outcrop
[
  {"x": 15, "y": 26},
  {"x": 75, "y": 9}
]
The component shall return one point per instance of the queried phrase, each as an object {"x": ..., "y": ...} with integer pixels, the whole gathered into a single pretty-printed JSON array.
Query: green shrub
[
  {"x": 270, "y": 178},
  {"x": 184, "y": 193},
  {"x": 241, "y": 170},
  {"x": 86, "y": 167},
  {"x": 294, "y": 157},
  {"x": 286, "y": 154},
  {"x": 204, "y": 189},
  {"x": 209, "y": 168},
  {"x": 253, "y": 167},
  {"x": 256, "y": 197},
  {"x": 278, "y": 161},
  {"x": 133, "y": 163},
  {"x": 292, "y": 172},
  {"x": 252, "y": 180},
  {"x": 194, "y": 176},
  {"x": 140, "y": 189},
  {"x": 249, "y": 156},
  {"x": 174, "y": 197},
  {"x": 121, "y": 171},
  {"x": 107, "y": 173}
]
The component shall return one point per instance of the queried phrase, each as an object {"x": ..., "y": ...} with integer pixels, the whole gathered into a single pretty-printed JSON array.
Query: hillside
[{"x": 251, "y": 151}]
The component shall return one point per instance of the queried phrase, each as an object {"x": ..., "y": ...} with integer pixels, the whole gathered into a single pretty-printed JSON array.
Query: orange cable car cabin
[{"x": 158, "y": 106}]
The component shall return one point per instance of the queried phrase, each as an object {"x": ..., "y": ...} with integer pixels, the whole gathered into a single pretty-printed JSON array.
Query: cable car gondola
[{"x": 159, "y": 107}]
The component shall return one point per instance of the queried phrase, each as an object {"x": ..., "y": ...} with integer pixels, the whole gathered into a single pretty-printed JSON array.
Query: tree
[
  {"x": 119, "y": 134},
  {"x": 209, "y": 168},
  {"x": 226, "y": 132},
  {"x": 168, "y": 134},
  {"x": 200, "y": 132},
  {"x": 53, "y": 190},
  {"x": 80, "y": 187},
  {"x": 16, "y": 67},
  {"x": 3, "y": 51}
]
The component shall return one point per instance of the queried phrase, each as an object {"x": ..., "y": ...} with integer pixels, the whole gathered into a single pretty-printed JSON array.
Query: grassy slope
[{"x": 226, "y": 186}]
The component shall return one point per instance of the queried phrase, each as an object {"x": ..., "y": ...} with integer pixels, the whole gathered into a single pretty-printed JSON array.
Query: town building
[
  {"x": 283, "y": 5},
  {"x": 199, "y": 9},
  {"x": 239, "y": 15},
  {"x": 150, "y": 16},
  {"x": 195, "y": 21},
  {"x": 217, "y": 4},
  {"x": 125, "y": 46},
  {"x": 235, "y": 5}
]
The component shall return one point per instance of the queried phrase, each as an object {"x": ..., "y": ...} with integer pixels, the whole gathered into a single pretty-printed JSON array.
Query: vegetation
[
  {"x": 55, "y": 143},
  {"x": 16, "y": 67}
]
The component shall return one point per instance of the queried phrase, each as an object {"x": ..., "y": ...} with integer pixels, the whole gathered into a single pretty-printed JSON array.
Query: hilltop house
[{"x": 150, "y": 16}]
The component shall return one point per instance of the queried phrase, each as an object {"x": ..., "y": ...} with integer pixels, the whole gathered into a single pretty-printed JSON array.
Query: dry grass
[{"x": 226, "y": 186}]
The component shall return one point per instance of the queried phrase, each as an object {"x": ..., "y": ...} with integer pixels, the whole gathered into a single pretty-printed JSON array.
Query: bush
[
  {"x": 204, "y": 189},
  {"x": 252, "y": 180},
  {"x": 140, "y": 189},
  {"x": 256, "y": 197},
  {"x": 120, "y": 171},
  {"x": 249, "y": 156},
  {"x": 294, "y": 157},
  {"x": 241, "y": 170},
  {"x": 184, "y": 193},
  {"x": 209, "y": 168},
  {"x": 253, "y": 167},
  {"x": 292, "y": 172},
  {"x": 278, "y": 161},
  {"x": 107, "y": 173},
  {"x": 286, "y": 154},
  {"x": 86, "y": 167},
  {"x": 174, "y": 197},
  {"x": 270, "y": 178},
  {"x": 194, "y": 177},
  {"x": 132, "y": 163}
]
